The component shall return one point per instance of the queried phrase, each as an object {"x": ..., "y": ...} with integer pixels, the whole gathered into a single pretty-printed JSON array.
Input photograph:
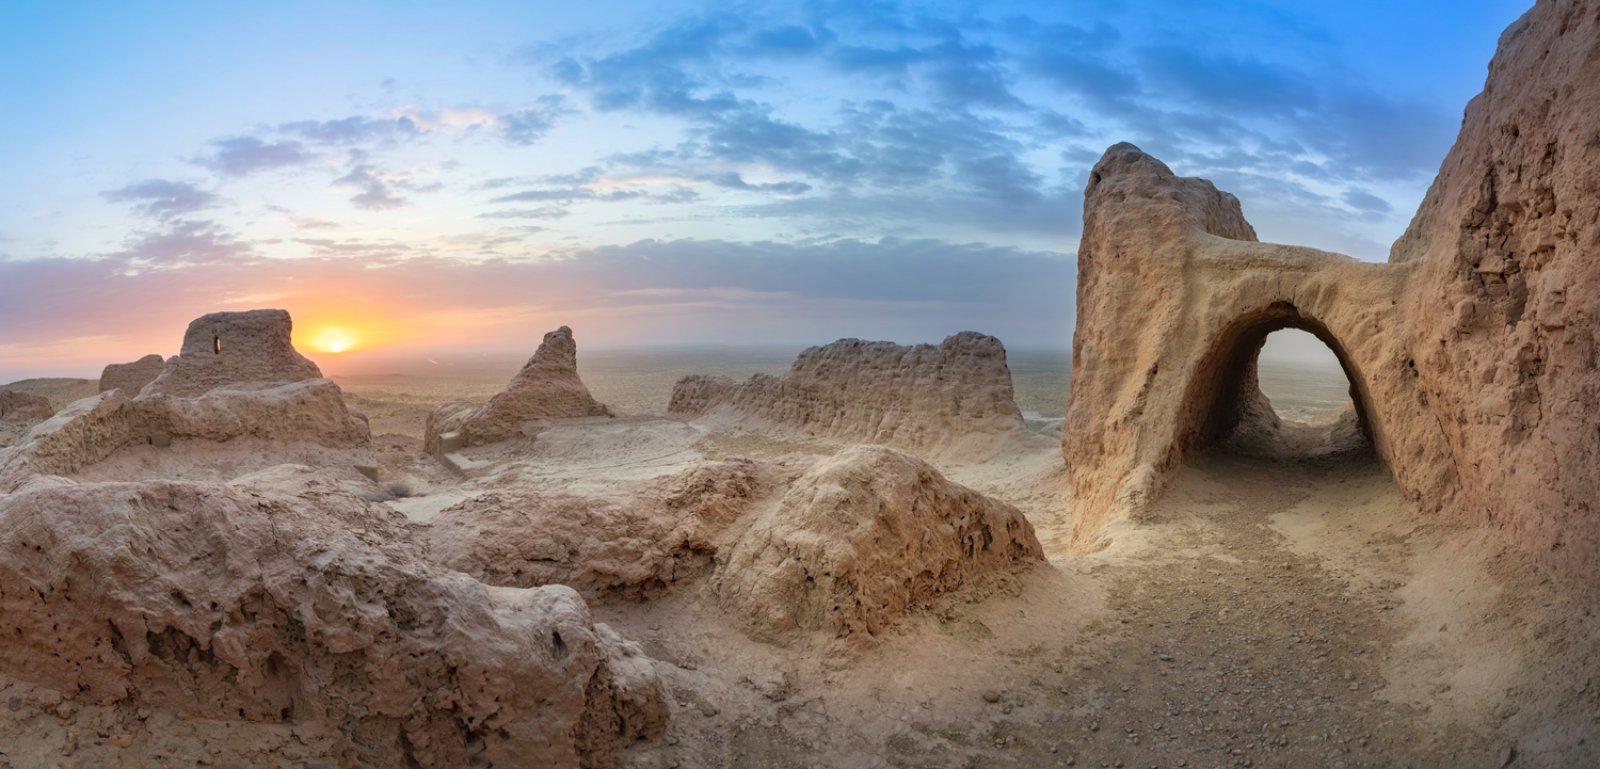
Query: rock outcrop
[
  {"x": 240, "y": 350},
  {"x": 1175, "y": 299},
  {"x": 630, "y": 546},
  {"x": 24, "y": 407},
  {"x": 1470, "y": 354},
  {"x": 279, "y": 397},
  {"x": 1506, "y": 288},
  {"x": 922, "y": 396},
  {"x": 132, "y": 377},
  {"x": 547, "y": 387},
  {"x": 861, "y": 539},
  {"x": 283, "y": 597},
  {"x": 19, "y": 412}
]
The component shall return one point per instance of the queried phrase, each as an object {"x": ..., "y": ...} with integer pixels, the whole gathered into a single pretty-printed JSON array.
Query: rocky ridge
[{"x": 926, "y": 397}]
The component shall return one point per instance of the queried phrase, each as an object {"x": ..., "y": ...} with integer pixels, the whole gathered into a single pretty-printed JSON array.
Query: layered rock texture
[
  {"x": 863, "y": 538},
  {"x": 1471, "y": 353},
  {"x": 547, "y": 387},
  {"x": 253, "y": 385},
  {"x": 283, "y": 597},
  {"x": 132, "y": 377},
  {"x": 922, "y": 396}
]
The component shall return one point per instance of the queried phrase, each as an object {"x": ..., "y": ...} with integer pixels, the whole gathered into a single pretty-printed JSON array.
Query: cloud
[
  {"x": 735, "y": 181},
  {"x": 528, "y": 126},
  {"x": 1361, "y": 200},
  {"x": 183, "y": 243},
  {"x": 357, "y": 129},
  {"x": 542, "y": 212},
  {"x": 375, "y": 195},
  {"x": 1227, "y": 83},
  {"x": 163, "y": 199},
  {"x": 243, "y": 155}
]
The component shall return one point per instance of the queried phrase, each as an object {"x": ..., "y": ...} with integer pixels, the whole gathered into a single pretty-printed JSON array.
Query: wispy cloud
[
  {"x": 162, "y": 198},
  {"x": 241, "y": 155}
]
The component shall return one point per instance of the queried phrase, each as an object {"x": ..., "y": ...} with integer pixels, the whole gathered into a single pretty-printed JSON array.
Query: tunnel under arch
[{"x": 1224, "y": 392}]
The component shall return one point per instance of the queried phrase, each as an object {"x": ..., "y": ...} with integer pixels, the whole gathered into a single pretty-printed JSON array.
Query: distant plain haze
[{"x": 411, "y": 178}]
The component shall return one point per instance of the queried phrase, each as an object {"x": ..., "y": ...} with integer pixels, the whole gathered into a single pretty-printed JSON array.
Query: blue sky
[{"x": 473, "y": 175}]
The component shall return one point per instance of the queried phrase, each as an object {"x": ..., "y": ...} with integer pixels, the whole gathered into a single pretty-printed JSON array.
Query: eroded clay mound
[
  {"x": 633, "y": 545},
  {"x": 861, "y": 539},
  {"x": 547, "y": 387},
  {"x": 283, "y": 597},
  {"x": 19, "y": 412},
  {"x": 1504, "y": 301},
  {"x": 1175, "y": 299},
  {"x": 132, "y": 377},
  {"x": 24, "y": 407},
  {"x": 236, "y": 349},
  {"x": 248, "y": 383},
  {"x": 918, "y": 396}
]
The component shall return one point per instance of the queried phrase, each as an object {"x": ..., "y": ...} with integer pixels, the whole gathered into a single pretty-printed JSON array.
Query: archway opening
[{"x": 1276, "y": 384}]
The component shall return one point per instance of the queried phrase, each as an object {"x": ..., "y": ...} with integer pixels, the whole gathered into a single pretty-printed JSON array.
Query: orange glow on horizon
[{"x": 334, "y": 339}]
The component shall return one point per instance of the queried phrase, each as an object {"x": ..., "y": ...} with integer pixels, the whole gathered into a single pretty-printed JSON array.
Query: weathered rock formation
[
  {"x": 1175, "y": 299},
  {"x": 918, "y": 397},
  {"x": 132, "y": 377},
  {"x": 631, "y": 546},
  {"x": 861, "y": 539},
  {"x": 1471, "y": 353},
  {"x": 19, "y": 412},
  {"x": 241, "y": 350},
  {"x": 280, "y": 397},
  {"x": 24, "y": 407},
  {"x": 547, "y": 387},
  {"x": 1503, "y": 301},
  {"x": 844, "y": 545},
  {"x": 282, "y": 597}
]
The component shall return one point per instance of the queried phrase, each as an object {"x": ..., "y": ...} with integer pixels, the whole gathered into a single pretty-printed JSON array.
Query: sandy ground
[{"x": 1264, "y": 614}]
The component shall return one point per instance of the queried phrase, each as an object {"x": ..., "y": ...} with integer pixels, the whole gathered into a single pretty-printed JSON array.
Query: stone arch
[{"x": 1223, "y": 389}]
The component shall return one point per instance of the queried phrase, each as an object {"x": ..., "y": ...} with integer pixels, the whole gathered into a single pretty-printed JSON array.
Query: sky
[{"x": 413, "y": 178}]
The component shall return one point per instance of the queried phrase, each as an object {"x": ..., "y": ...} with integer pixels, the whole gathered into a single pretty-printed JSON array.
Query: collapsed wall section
[{"x": 921, "y": 396}]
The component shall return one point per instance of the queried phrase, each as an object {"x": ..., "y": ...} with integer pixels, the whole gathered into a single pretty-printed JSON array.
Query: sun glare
[{"x": 334, "y": 340}]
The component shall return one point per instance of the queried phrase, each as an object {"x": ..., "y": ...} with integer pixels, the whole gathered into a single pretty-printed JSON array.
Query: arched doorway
[{"x": 1225, "y": 409}]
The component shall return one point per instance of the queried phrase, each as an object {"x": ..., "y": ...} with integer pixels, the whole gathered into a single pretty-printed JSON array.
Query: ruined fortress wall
[{"x": 1471, "y": 353}]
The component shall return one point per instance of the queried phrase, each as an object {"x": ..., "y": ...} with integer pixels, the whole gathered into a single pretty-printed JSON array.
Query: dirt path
[{"x": 1226, "y": 647}]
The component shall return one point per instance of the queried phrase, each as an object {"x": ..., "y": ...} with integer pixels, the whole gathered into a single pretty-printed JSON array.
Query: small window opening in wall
[{"x": 216, "y": 345}]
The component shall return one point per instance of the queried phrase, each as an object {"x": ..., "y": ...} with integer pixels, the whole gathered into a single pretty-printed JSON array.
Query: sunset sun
[{"x": 333, "y": 339}]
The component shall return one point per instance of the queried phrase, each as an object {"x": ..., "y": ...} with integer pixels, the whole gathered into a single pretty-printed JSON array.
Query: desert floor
[{"x": 1264, "y": 614}]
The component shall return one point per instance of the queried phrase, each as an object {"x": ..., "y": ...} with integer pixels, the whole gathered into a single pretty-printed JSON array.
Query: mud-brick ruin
[{"x": 1471, "y": 353}]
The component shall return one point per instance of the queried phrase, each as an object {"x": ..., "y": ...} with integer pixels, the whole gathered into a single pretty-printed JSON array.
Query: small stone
[
  {"x": 122, "y": 740},
  {"x": 991, "y": 696},
  {"x": 1507, "y": 755},
  {"x": 65, "y": 710}
]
